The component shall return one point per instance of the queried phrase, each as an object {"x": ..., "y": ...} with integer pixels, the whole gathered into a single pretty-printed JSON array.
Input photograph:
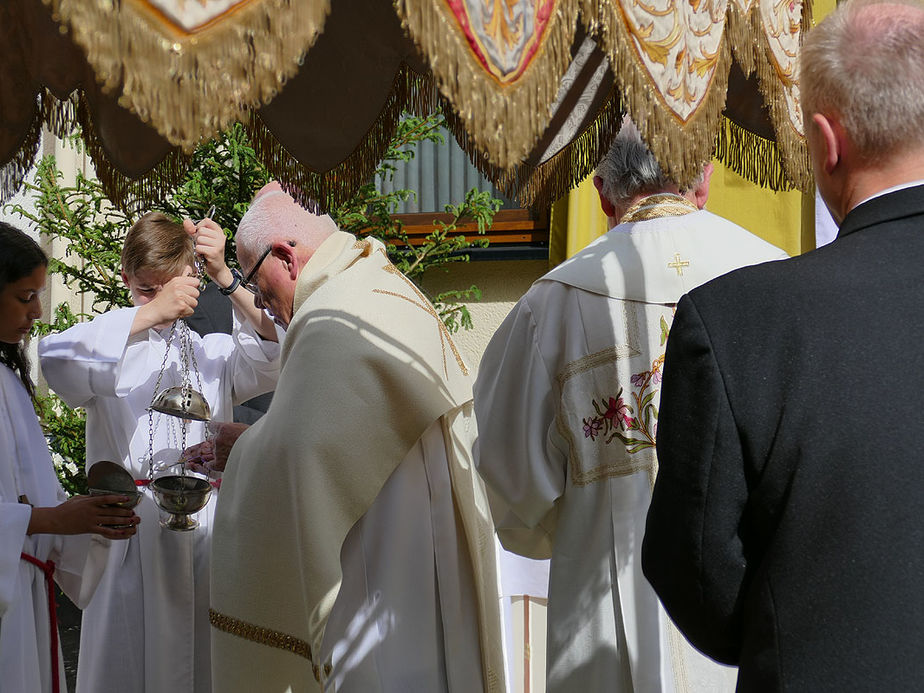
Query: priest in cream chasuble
[
  {"x": 567, "y": 406},
  {"x": 354, "y": 546}
]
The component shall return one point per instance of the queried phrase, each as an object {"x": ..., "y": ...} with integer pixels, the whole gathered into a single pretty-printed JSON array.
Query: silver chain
[{"x": 187, "y": 360}]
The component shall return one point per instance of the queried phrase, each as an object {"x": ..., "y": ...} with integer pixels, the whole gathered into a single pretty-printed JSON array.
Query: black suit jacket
[{"x": 786, "y": 530}]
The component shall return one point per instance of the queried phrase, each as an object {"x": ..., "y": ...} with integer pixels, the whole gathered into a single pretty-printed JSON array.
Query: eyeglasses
[{"x": 246, "y": 281}]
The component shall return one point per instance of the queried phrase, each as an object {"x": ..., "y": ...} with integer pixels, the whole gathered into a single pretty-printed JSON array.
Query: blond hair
[
  {"x": 157, "y": 244},
  {"x": 865, "y": 62}
]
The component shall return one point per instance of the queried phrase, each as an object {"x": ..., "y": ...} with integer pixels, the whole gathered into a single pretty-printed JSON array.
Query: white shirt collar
[{"x": 894, "y": 188}]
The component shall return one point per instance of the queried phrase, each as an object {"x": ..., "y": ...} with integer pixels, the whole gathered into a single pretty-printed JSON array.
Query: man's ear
[
  {"x": 287, "y": 254},
  {"x": 831, "y": 139},
  {"x": 124, "y": 277},
  {"x": 609, "y": 209},
  {"x": 701, "y": 191}
]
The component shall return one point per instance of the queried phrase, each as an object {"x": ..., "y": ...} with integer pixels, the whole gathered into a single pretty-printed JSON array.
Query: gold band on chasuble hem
[{"x": 260, "y": 635}]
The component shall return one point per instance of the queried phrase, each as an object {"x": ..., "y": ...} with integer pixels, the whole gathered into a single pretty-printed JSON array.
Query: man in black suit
[{"x": 786, "y": 530}]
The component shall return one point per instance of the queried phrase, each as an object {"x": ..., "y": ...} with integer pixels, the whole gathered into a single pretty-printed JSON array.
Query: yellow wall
[
  {"x": 785, "y": 219},
  {"x": 774, "y": 216}
]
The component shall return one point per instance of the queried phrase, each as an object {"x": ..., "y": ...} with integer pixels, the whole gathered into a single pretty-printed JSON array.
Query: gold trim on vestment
[
  {"x": 260, "y": 635},
  {"x": 658, "y": 206},
  {"x": 427, "y": 307},
  {"x": 613, "y": 465}
]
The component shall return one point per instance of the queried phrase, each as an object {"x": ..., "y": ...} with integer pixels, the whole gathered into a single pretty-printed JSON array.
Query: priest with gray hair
[
  {"x": 567, "y": 406},
  {"x": 353, "y": 548}
]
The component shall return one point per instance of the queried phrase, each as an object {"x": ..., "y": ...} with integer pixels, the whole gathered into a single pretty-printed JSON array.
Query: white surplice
[
  {"x": 566, "y": 402},
  {"x": 147, "y": 628},
  {"x": 26, "y": 470}
]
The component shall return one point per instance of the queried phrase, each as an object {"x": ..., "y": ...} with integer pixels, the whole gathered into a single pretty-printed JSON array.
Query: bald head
[
  {"x": 865, "y": 64},
  {"x": 275, "y": 240},
  {"x": 274, "y": 217}
]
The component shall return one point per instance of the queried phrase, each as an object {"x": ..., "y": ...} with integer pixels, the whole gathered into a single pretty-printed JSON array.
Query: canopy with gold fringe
[{"x": 533, "y": 90}]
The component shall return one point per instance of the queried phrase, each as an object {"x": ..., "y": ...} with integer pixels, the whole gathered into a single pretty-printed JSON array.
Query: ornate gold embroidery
[
  {"x": 657, "y": 207},
  {"x": 259, "y": 634},
  {"x": 426, "y": 306},
  {"x": 364, "y": 245}
]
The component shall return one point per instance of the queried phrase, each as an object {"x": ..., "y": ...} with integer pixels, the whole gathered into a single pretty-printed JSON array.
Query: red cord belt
[{"x": 48, "y": 568}]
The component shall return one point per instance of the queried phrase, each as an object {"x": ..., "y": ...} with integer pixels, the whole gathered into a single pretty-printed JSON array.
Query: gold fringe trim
[
  {"x": 190, "y": 87},
  {"x": 503, "y": 121},
  {"x": 752, "y": 51},
  {"x": 680, "y": 148},
  {"x": 778, "y": 166},
  {"x": 541, "y": 185},
  {"x": 751, "y": 156}
]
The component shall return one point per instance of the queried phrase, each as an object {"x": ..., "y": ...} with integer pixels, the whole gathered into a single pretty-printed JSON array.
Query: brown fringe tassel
[
  {"x": 752, "y": 51},
  {"x": 62, "y": 118},
  {"x": 751, "y": 156},
  {"x": 321, "y": 191},
  {"x": 14, "y": 172},
  {"x": 191, "y": 86}
]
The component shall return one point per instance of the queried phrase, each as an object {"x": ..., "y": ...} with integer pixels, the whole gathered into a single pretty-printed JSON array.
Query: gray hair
[
  {"x": 629, "y": 169},
  {"x": 865, "y": 62},
  {"x": 274, "y": 216}
]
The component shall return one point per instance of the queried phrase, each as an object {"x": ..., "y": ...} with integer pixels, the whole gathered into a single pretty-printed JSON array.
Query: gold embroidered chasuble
[
  {"x": 567, "y": 401},
  {"x": 367, "y": 367}
]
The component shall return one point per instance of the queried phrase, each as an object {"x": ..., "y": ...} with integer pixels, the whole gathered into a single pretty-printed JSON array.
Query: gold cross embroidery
[
  {"x": 678, "y": 264},
  {"x": 426, "y": 306}
]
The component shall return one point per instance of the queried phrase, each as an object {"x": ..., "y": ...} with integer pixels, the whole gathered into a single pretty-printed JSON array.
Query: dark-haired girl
[{"x": 44, "y": 536}]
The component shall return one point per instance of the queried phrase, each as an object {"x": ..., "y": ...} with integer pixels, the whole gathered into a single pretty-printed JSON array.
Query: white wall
[
  {"x": 69, "y": 162},
  {"x": 502, "y": 283}
]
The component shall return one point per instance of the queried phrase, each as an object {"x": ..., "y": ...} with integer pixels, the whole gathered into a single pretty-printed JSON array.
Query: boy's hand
[
  {"x": 177, "y": 299},
  {"x": 209, "y": 242}
]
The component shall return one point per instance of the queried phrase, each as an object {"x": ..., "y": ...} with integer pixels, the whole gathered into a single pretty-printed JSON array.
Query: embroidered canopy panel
[{"x": 532, "y": 89}]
